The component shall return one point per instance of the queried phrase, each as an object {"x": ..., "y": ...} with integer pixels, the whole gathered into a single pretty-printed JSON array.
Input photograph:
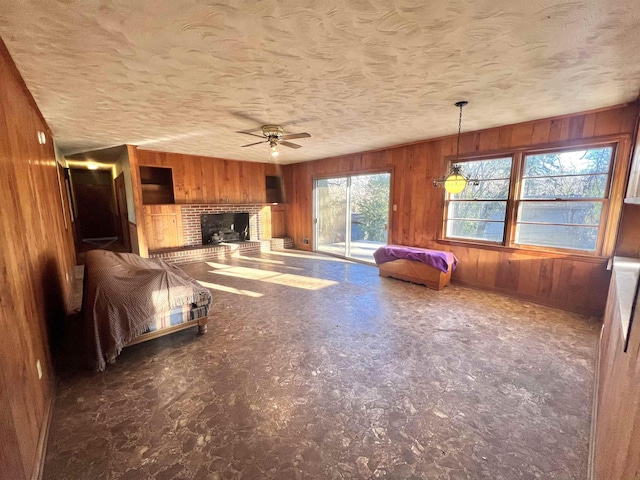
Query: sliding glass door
[
  {"x": 331, "y": 215},
  {"x": 352, "y": 214}
]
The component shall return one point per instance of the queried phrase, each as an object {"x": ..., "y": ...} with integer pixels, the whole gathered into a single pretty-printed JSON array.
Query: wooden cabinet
[
  {"x": 616, "y": 443},
  {"x": 274, "y": 223},
  {"x": 163, "y": 226},
  {"x": 278, "y": 221}
]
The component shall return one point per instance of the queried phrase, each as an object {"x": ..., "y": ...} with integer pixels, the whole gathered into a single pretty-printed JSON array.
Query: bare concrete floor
[{"x": 316, "y": 368}]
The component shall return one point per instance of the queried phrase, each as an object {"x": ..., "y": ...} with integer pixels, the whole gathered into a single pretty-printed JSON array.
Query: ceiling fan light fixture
[
  {"x": 274, "y": 135},
  {"x": 455, "y": 181}
]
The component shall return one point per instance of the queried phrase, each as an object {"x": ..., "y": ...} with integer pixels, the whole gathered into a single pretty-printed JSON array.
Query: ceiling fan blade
[
  {"x": 252, "y": 134},
  {"x": 246, "y": 116},
  {"x": 291, "y": 136},
  {"x": 257, "y": 143},
  {"x": 290, "y": 145}
]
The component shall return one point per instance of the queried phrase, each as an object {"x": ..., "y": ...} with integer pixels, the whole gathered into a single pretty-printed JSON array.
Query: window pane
[
  {"x": 573, "y": 213},
  {"x": 587, "y": 186},
  {"x": 488, "y": 189},
  {"x": 495, "y": 168},
  {"x": 579, "y": 238},
  {"x": 475, "y": 230},
  {"x": 477, "y": 210},
  {"x": 574, "y": 162}
]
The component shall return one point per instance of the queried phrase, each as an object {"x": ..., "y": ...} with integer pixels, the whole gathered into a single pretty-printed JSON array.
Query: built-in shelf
[
  {"x": 632, "y": 201},
  {"x": 274, "y": 189},
  {"x": 157, "y": 185}
]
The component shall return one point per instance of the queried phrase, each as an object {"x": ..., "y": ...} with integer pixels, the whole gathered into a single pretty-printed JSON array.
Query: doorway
[
  {"x": 351, "y": 214},
  {"x": 98, "y": 212}
]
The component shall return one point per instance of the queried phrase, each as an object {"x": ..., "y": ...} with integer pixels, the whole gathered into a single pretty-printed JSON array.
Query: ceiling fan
[{"x": 274, "y": 135}]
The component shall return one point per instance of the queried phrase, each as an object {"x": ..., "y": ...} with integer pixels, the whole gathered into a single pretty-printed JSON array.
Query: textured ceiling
[{"x": 184, "y": 75}]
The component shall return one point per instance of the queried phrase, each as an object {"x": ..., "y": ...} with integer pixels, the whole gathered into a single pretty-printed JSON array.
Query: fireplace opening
[{"x": 224, "y": 227}]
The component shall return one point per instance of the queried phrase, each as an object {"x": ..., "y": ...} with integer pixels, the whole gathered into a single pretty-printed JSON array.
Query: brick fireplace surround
[
  {"x": 194, "y": 250},
  {"x": 191, "y": 220}
]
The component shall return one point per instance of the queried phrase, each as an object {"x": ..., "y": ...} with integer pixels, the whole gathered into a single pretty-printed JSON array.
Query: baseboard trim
[
  {"x": 43, "y": 438},
  {"x": 531, "y": 298}
]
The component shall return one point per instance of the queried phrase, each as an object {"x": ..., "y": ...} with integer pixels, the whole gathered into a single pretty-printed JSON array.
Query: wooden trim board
[
  {"x": 200, "y": 322},
  {"x": 43, "y": 438}
]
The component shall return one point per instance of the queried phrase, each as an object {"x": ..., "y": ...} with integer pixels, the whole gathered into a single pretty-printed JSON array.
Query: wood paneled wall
[
  {"x": 616, "y": 443},
  {"x": 566, "y": 281},
  {"x": 629, "y": 234},
  {"x": 212, "y": 180},
  {"x": 36, "y": 256}
]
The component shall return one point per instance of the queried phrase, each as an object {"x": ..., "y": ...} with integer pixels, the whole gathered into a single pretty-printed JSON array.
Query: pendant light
[{"x": 455, "y": 181}]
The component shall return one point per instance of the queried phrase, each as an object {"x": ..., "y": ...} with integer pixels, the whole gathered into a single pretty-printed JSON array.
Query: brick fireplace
[
  {"x": 191, "y": 226},
  {"x": 193, "y": 249}
]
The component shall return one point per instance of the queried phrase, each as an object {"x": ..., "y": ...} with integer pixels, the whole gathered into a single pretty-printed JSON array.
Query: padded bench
[{"x": 431, "y": 268}]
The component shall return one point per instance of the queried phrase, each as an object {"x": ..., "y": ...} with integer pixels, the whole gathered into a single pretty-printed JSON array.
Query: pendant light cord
[{"x": 459, "y": 130}]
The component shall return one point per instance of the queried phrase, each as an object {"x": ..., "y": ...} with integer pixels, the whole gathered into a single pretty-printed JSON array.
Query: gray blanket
[{"x": 123, "y": 293}]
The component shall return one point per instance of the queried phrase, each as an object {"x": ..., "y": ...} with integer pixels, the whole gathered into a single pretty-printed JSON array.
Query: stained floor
[{"x": 316, "y": 368}]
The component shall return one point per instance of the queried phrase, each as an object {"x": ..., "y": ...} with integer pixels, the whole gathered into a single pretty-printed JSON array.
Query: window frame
[
  {"x": 448, "y": 200},
  {"x": 606, "y": 227}
]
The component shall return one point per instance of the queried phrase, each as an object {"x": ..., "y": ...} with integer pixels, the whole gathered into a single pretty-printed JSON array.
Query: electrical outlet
[
  {"x": 395, "y": 208},
  {"x": 305, "y": 241},
  {"x": 39, "y": 367},
  {"x": 42, "y": 138}
]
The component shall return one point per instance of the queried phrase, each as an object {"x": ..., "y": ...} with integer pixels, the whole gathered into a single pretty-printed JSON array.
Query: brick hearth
[{"x": 217, "y": 252}]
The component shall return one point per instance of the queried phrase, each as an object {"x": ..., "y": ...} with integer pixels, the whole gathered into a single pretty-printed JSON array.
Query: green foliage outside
[
  {"x": 372, "y": 203},
  {"x": 369, "y": 208}
]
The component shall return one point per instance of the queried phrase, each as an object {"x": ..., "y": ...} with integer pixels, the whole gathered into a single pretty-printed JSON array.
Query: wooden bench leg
[{"x": 202, "y": 326}]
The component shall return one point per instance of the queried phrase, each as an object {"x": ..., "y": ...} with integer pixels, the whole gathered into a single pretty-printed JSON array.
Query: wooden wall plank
[
  {"x": 522, "y": 134},
  {"x": 617, "y": 423},
  {"x": 211, "y": 180},
  {"x": 140, "y": 240},
  {"x": 608, "y": 122},
  {"x": 628, "y": 244},
  {"x": 36, "y": 261}
]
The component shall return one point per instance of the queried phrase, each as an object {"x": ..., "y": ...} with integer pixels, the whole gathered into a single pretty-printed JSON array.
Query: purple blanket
[{"x": 434, "y": 258}]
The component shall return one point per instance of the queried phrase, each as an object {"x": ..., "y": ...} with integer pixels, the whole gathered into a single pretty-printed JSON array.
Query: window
[
  {"x": 478, "y": 213},
  {"x": 554, "y": 199}
]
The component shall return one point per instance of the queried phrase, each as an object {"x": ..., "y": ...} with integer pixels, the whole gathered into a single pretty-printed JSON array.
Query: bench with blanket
[
  {"x": 431, "y": 268},
  {"x": 128, "y": 299}
]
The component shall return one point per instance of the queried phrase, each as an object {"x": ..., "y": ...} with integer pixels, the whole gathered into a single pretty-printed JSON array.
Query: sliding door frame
[{"x": 348, "y": 174}]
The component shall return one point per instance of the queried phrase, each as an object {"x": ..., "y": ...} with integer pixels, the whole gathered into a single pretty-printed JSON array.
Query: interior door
[{"x": 93, "y": 190}]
